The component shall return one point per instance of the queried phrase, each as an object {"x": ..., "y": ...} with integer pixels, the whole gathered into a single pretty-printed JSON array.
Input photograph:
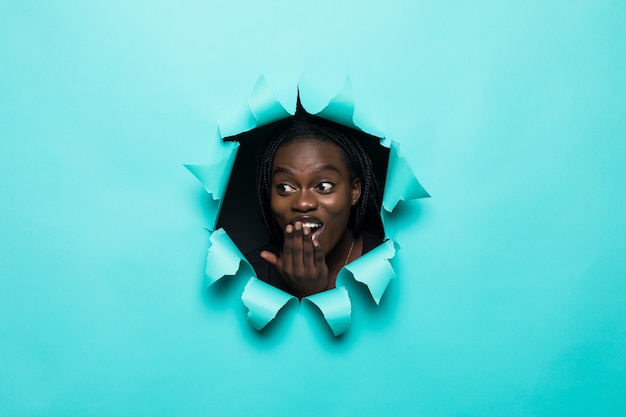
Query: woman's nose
[{"x": 304, "y": 201}]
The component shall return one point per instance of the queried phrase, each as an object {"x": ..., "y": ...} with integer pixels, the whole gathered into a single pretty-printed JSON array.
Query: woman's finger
[
  {"x": 308, "y": 253},
  {"x": 296, "y": 251},
  {"x": 274, "y": 260},
  {"x": 287, "y": 257},
  {"x": 269, "y": 257},
  {"x": 320, "y": 258}
]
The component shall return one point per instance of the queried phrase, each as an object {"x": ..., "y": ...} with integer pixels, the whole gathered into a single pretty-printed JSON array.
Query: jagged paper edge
[
  {"x": 223, "y": 258},
  {"x": 373, "y": 269},
  {"x": 263, "y": 302},
  {"x": 214, "y": 177},
  {"x": 336, "y": 308}
]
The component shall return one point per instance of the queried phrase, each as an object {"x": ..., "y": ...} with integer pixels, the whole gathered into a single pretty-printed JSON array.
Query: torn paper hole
[{"x": 225, "y": 258}]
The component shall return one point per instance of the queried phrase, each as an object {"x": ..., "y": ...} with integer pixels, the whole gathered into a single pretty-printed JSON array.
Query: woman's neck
[{"x": 347, "y": 249}]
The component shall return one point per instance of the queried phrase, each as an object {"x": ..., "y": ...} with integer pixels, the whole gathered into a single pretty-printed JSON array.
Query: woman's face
[{"x": 311, "y": 183}]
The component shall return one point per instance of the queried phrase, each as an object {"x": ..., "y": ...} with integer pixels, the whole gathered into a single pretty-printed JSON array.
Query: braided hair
[{"x": 365, "y": 215}]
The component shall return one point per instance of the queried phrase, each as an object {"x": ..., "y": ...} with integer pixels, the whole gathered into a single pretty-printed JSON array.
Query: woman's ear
[{"x": 355, "y": 191}]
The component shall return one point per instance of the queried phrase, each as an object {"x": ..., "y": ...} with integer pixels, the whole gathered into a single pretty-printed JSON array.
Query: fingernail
[
  {"x": 289, "y": 228},
  {"x": 306, "y": 231},
  {"x": 298, "y": 225}
]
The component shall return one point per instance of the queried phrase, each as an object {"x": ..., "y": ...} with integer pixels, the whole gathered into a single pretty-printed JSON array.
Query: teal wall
[{"x": 511, "y": 294}]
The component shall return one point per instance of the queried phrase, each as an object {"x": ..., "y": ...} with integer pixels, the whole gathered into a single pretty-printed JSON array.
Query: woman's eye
[
  {"x": 325, "y": 186},
  {"x": 285, "y": 188}
]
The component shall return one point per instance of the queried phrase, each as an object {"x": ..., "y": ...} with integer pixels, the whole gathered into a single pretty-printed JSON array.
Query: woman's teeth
[{"x": 312, "y": 226}]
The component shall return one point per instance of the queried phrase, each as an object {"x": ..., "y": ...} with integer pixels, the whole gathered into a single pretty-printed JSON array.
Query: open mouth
[{"x": 316, "y": 229}]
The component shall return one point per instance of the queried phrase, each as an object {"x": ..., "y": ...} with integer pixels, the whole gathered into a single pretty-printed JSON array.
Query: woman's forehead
[{"x": 311, "y": 150}]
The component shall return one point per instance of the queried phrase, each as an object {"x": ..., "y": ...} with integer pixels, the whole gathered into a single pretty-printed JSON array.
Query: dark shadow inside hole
[{"x": 239, "y": 215}]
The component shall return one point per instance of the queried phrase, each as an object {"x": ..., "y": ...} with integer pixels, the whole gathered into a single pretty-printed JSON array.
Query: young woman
[{"x": 320, "y": 203}]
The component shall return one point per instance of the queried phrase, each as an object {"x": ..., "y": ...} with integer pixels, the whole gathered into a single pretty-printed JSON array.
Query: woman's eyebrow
[{"x": 326, "y": 167}]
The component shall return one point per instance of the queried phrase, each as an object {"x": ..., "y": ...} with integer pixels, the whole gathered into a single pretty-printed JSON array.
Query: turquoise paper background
[{"x": 511, "y": 295}]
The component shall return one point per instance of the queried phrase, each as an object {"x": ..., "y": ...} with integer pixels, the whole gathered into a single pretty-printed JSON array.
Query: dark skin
[{"x": 312, "y": 196}]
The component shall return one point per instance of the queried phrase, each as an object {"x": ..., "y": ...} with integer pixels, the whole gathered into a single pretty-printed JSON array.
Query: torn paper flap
[
  {"x": 341, "y": 108},
  {"x": 335, "y": 307},
  {"x": 374, "y": 269},
  {"x": 263, "y": 302},
  {"x": 401, "y": 183},
  {"x": 223, "y": 258},
  {"x": 214, "y": 178},
  {"x": 264, "y": 105}
]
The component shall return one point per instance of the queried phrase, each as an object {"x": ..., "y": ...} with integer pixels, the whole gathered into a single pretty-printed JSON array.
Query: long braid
[{"x": 264, "y": 186}]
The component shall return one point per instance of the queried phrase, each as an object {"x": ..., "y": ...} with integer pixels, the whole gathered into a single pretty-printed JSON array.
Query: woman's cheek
[{"x": 278, "y": 209}]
